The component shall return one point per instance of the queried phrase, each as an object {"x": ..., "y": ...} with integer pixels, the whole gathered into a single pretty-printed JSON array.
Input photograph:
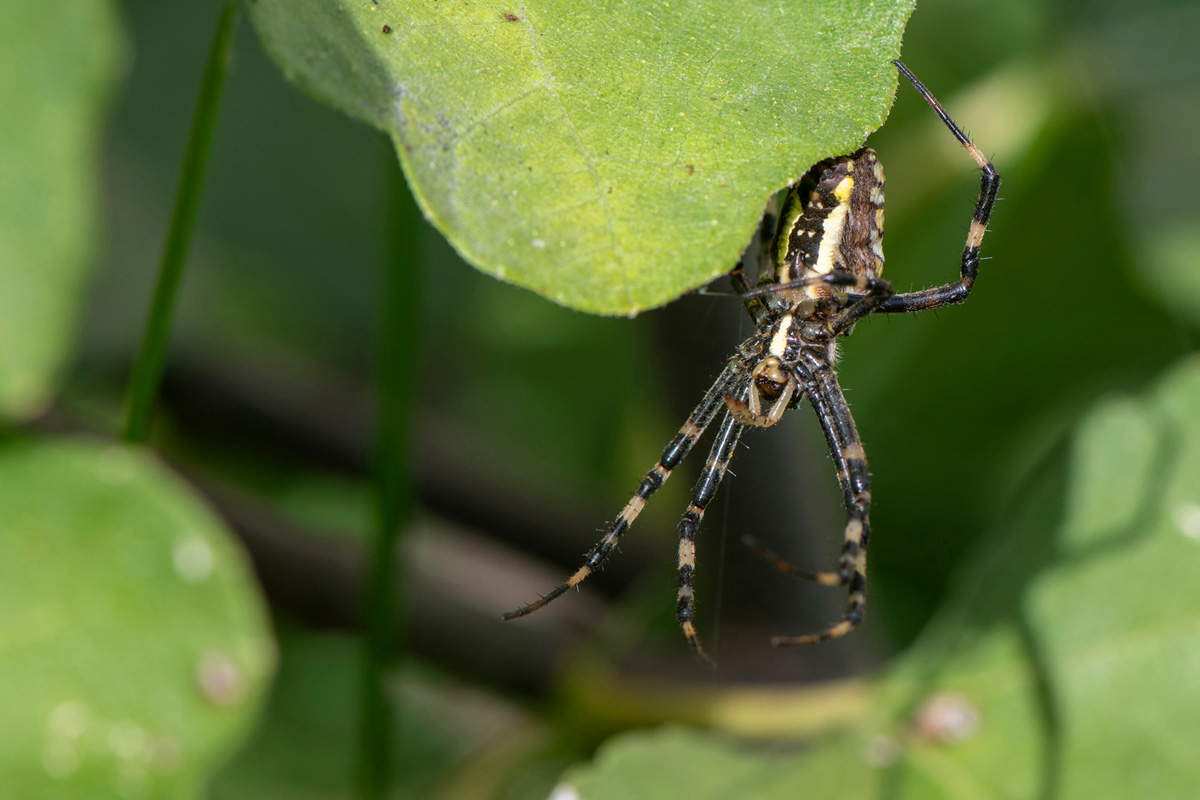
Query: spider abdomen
[{"x": 831, "y": 220}]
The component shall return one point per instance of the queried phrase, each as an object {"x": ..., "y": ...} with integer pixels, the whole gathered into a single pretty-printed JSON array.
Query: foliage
[
  {"x": 609, "y": 156},
  {"x": 1034, "y": 452},
  {"x": 59, "y": 64},
  {"x": 1065, "y": 663},
  {"x": 135, "y": 649}
]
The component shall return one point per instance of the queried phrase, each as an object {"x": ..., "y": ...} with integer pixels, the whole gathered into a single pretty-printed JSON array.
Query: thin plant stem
[
  {"x": 397, "y": 363},
  {"x": 147, "y": 370}
]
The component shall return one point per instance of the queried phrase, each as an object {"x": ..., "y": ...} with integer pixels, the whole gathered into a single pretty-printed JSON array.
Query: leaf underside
[{"x": 609, "y": 156}]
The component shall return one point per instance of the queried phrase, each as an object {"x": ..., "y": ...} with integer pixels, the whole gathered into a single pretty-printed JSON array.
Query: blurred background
[{"x": 530, "y": 424}]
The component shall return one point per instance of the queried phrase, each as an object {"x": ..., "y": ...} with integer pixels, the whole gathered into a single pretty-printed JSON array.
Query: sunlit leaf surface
[{"x": 609, "y": 156}]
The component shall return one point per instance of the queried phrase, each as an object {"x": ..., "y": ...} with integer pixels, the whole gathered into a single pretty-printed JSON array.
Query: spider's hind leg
[{"x": 834, "y": 413}]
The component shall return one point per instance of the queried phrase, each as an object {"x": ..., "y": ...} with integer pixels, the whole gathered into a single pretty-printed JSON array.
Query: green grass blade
[
  {"x": 397, "y": 363},
  {"x": 147, "y": 371}
]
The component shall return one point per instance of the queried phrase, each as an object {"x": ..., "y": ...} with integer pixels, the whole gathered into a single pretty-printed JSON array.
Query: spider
[{"x": 818, "y": 275}]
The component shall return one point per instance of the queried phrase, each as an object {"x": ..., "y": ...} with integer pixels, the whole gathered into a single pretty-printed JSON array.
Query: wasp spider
[{"x": 818, "y": 276}]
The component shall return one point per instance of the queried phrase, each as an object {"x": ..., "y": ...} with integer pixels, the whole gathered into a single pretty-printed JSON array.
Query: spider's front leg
[
  {"x": 714, "y": 471},
  {"x": 989, "y": 185},
  {"x": 864, "y": 285},
  {"x": 674, "y": 453}
]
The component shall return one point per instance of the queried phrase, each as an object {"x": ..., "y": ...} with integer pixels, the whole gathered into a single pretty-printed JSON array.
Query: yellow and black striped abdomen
[{"x": 832, "y": 220}]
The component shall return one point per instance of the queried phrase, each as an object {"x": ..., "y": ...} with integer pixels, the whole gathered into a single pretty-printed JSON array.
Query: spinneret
[{"x": 818, "y": 274}]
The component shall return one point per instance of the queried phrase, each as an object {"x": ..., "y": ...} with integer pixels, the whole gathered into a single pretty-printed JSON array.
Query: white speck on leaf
[
  {"x": 193, "y": 559},
  {"x": 128, "y": 741},
  {"x": 1187, "y": 519},
  {"x": 946, "y": 717},
  {"x": 564, "y": 791},
  {"x": 68, "y": 720},
  {"x": 60, "y": 760}
]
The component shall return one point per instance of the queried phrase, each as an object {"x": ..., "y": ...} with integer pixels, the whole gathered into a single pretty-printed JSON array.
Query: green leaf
[
  {"x": 609, "y": 156},
  {"x": 1065, "y": 664},
  {"x": 673, "y": 762},
  {"x": 1171, "y": 263},
  {"x": 134, "y": 648},
  {"x": 305, "y": 746},
  {"x": 57, "y": 65},
  {"x": 1073, "y": 638}
]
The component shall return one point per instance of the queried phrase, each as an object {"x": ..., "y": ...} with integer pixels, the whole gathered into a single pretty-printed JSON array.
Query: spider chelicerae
[{"x": 818, "y": 275}]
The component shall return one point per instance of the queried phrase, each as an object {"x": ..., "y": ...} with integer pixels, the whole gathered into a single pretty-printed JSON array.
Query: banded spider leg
[
  {"x": 989, "y": 187},
  {"x": 699, "y": 420},
  {"x": 830, "y": 405}
]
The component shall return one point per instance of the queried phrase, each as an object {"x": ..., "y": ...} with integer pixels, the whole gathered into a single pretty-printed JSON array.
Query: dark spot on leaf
[
  {"x": 387, "y": 28},
  {"x": 511, "y": 17},
  {"x": 691, "y": 168}
]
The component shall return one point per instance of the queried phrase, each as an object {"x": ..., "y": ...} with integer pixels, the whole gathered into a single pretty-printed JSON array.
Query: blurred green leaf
[
  {"x": 57, "y": 65},
  {"x": 1065, "y": 664},
  {"x": 305, "y": 748},
  {"x": 1172, "y": 265},
  {"x": 134, "y": 648},
  {"x": 607, "y": 156},
  {"x": 673, "y": 762}
]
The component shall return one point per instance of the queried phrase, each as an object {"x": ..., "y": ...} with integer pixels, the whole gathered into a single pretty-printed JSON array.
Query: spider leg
[
  {"x": 755, "y": 307},
  {"x": 868, "y": 292},
  {"x": 989, "y": 185},
  {"x": 674, "y": 452},
  {"x": 876, "y": 292},
  {"x": 714, "y": 470},
  {"x": 834, "y": 413},
  {"x": 737, "y": 277},
  {"x": 861, "y": 284},
  {"x": 788, "y": 568}
]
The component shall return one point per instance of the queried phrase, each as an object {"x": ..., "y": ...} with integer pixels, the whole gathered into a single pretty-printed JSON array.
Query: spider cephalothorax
[{"x": 818, "y": 274}]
